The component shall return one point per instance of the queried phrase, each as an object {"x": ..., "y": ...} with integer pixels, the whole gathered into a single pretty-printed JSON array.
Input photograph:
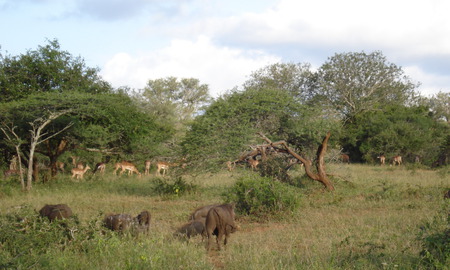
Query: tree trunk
[{"x": 321, "y": 176}]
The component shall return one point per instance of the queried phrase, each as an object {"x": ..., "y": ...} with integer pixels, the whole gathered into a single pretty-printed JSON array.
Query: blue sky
[{"x": 223, "y": 42}]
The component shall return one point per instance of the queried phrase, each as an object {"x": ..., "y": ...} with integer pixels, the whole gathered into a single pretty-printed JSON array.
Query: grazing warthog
[
  {"x": 142, "y": 222},
  {"x": 124, "y": 222},
  {"x": 192, "y": 228},
  {"x": 118, "y": 222},
  {"x": 201, "y": 212},
  {"x": 56, "y": 211},
  {"x": 447, "y": 194},
  {"x": 220, "y": 222}
]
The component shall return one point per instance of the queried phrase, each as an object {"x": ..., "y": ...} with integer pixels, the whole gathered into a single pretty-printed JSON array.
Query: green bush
[
  {"x": 176, "y": 186},
  {"x": 275, "y": 168},
  {"x": 261, "y": 196},
  {"x": 435, "y": 239}
]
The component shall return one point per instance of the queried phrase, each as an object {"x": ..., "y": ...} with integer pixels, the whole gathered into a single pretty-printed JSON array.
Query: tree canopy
[
  {"x": 355, "y": 82},
  {"x": 47, "y": 69}
]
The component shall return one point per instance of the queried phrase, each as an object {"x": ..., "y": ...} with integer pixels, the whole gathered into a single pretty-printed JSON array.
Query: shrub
[
  {"x": 435, "y": 239},
  {"x": 176, "y": 186},
  {"x": 262, "y": 196},
  {"x": 275, "y": 167}
]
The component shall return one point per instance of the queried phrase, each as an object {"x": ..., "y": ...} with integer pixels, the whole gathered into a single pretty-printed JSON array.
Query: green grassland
[{"x": 373, "y": 220}]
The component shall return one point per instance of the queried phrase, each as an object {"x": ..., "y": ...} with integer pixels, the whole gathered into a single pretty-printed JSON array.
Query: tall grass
[{"x": 371, "y": 221}]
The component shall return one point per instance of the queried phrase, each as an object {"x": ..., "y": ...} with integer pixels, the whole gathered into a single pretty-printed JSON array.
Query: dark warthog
[
  {"x": 56, "y": 211},
  {"x": 142, "y": 222},
  {"x": 192, "y": 228},
  {"x": 220, "y": 222},
  {"x": 118, "y": 222},
  {"x": 447, "y": 194},
  {"x": 201, "y": 212}
]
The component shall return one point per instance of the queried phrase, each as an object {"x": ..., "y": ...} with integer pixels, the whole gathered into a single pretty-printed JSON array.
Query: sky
[{"x": 222, "y": 42}]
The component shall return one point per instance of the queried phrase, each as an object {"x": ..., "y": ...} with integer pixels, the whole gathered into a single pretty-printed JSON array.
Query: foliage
[
  {"x": 176, "y": 187},
  {"x": 275, "y": 167},
  {"x": 397, "y": 130},
  {"x": 174, "y": 102},
  {"x": 440, "y": 105},
  {"x": 47, "y": 69},
  {"x": 296, "y": 79},
  {"x": 435, "y": 240},
  {"x": 262, "y": 196},
  {"x": 355, "y": 82},
  {"x": 230, "y": 124}
]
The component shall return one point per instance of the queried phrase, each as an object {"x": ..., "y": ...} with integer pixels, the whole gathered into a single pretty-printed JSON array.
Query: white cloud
[
  {"x": 221, "y": 68},
  {"x": 430, "y": 83}
]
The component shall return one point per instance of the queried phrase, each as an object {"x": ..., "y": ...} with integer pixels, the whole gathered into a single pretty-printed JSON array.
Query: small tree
[{"x": 38, "y": 136}]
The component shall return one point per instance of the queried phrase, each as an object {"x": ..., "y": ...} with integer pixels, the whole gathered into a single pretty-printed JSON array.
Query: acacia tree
[
  {"x": 47, "y": 69},
  {"x": 297, "y": 79},
  {"x": 175, "y": 102},
  {"x": 355, "y": 82}
]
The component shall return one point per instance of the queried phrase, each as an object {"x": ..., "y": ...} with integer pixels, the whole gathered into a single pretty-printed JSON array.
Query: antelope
[
  {"x": 345, "y": 158},
  {"x": 382, "y": 159},
  {"x": 126, "y": 166},
  {"x": 101, "y": 167},
  {"x": 13, "y": 163},
  {"x": 8, "y": 173},
  {"x": 231, "y": 165},
  {"x": 76, "y": 164},
  {"x": 60, "y": 165},
  {"x": 79, "y": 173},
  {"x": 147, "y": 167},
  {"x": 397, "y": 160},
  {"x": 161, "y": 165},
  {"x": 253, "y": 163}
]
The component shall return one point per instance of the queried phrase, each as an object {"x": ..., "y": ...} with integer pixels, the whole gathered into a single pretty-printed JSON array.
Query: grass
[{"x": 371, "y": 221}]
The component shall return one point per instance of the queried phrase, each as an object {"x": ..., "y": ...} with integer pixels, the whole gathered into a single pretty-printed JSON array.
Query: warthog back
[{"x": 55, "y": 211}]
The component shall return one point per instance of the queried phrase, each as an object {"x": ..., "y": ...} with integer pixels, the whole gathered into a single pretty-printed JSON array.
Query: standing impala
[
  {"x": 79, "y": 173},
  {"x": 126, "y": 166},
  {"x": 162, "y": 165},
  {"x": 382, "y": 159},
  {"x": 147, "y": 167},
  {"x": 253, "y": 163},
  {"x": 397, "y": 160}
]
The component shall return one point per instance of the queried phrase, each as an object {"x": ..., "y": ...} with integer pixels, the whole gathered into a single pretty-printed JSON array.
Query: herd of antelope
[
  {"x": 79, "y": 170},
  {"x": 162, "y": 167},
  {"x": 344, "y": 158}
]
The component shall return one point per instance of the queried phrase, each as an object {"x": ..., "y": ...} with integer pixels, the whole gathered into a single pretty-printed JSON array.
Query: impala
[
  {"x": 162, "y": 165},
  {"x": 382, "y": 159},
  {"x": 126, "y": 166},
  {"x": 253, "y": 163},
  {"x": 231, "y": 165},
  {"x": 345, "y": 158},
  {"x": 60, "y": 165},
  {"x": 100, "y": 167},
  {"x": 8, "y": 173},
  {"x": 397, "y": 160},
  {"x": 79, "y": 173},
  {"x": 147, "y": 167}
]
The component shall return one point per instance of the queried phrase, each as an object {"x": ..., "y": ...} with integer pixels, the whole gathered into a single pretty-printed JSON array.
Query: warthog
[
  {"x": 55, "y": 211},
  {"x": 124, "y": 222},
  {"x": 118, "y": 222},
  {"x": 201, "y": 212},
  {"x": 142, "y": 222},
  {"x": 220, "y": 222},
  {"x": 192, "y": 228},
  {"x": 447, "y": 194}
]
